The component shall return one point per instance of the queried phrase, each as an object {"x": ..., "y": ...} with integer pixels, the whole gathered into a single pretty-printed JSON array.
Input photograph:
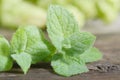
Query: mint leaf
[
  {"x": 80, "y": 42},
  {"x": 24, "y": 61},
  {"x": 91, "y": 55},
  {"x": 51, "y": 48},
  {"x": 35, "y": 44},
  {"x": 67, "y": 66},
  {"x": 60, "y": 25},
  {"x": 19, "y": 41},
  {"x": 52, "y": 51},
  {"x": 4, "y": 46},
  {"x": 5, "y": 60},
  {"x": 5, "y": 63}
]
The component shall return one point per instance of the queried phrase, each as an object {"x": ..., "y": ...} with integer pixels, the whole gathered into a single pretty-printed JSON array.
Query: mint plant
[
  {"x": 74, "y": 48},
  {"x": 68, "y": 50}
]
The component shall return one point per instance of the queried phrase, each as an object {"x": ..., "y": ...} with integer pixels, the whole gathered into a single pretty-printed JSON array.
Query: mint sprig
[
  {"x": 27, "y": 41},
  {"x": 68, "y": 50},
  {"x": 71, "y": 44}
]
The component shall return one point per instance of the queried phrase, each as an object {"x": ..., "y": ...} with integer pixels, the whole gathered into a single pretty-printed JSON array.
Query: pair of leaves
[{"x": 74, "y": 48}]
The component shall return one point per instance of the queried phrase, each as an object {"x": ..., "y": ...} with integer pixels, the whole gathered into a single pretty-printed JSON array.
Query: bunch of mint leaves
[{"x": 68, "y": 49}]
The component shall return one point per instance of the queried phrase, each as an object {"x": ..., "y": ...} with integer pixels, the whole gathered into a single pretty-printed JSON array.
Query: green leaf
[
  {"x": 4, "y": 47},
  {"x": 91, "y": 55},
  {"x": 35, "y": 44},
  {"x": 68, "y": 66},
  {"x": 60, "y": 25},
  {"x": 23, "y": 60},
  {"x": 19, "y": 41},
  {"x": 5, "y": 60},
  {"x": 80, "y": 42},
  {"x": 5, "y": 63},
  {"x": 52, "y": 51},
  {"x": 50, "y": 46}
]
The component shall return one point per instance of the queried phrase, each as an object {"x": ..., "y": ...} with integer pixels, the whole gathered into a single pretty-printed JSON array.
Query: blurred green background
[{"x": 95, "y": 14}]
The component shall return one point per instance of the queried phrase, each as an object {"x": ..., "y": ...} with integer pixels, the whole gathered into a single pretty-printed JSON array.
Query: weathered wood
[{"x": 106, "y": 69}]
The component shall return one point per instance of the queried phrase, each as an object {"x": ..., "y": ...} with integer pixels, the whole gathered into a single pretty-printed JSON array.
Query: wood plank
[{"x": 106, "y": 69}]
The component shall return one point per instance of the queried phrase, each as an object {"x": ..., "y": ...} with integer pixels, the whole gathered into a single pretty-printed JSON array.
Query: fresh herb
[
  {"x": 68, "y": 51},
  {"x": 27, "y": 41},
  {"x": 71, "y": 44}
]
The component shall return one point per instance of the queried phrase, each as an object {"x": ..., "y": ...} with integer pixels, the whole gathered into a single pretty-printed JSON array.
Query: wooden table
[{"x": 106, "y": 69}]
